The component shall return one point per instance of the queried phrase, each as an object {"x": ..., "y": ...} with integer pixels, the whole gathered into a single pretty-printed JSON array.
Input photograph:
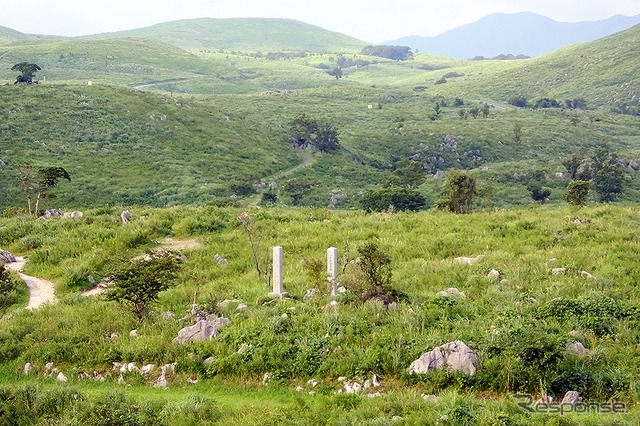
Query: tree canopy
[{"x": 27, "y": 71}]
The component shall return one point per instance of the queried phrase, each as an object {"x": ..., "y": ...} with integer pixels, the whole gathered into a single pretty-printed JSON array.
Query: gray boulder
[
  {"x": 572, "y": 398},
  {"x": 6, "y": 257},
  {"x": 125, "y": 216},
  {"x": 455, "y": 356},
  {"x": 310, "y": 294},
  {"x": 576, "y": 348},
  {"x": 48, "y": 214},
  {"x": 202, "y": 330}
]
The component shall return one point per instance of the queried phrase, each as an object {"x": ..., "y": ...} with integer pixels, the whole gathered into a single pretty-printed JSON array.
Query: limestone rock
[
  {"x": 310, "y": 294},
  {"x": 572, "y": 398},
  {"x": 451, "y": 292},
  {"x": 332, "y": 306},
  {"x": 455, "y": 356},
  {"x": 494, "y": 273},
  {"x": 133, "y": 333},
  {"x": 6, "y": 257},
  {"x": 468, "y": 260},
  {"x": 558, "y": 271},
  {"x": 147, "y": 369},
  {"x": 202, "y": 330},
  {"x": 27, "y": 368},
  {"x": 209, "y": 361},
  {"x": 241, "y": 307},
  {"x": 587, "y": 275},
  {"x": 48, "y": 214},
  {"x": 125, "y": 216},
  {"x": 576, "y": 348},
  {"x": 61, "y": 377}
]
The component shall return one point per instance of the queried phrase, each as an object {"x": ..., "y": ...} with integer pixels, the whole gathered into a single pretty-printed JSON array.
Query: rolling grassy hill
[{"x": 246, "y": 34}]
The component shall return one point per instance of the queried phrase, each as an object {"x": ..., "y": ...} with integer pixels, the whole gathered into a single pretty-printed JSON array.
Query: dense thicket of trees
[{"x": 397, "y": 53}]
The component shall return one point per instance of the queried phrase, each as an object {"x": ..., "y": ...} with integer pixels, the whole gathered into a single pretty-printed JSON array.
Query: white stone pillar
[
  {"x": 332, "y": 269},
  {"x": 277, "y": 274}
]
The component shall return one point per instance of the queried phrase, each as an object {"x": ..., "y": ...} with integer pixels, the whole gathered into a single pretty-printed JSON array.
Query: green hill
[
  {"x": 601, "y": 72},
  {"x": 246, "y": 34}
]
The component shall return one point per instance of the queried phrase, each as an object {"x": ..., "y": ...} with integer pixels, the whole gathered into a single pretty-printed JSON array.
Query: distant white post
[
  {"x": 332, "y": 269},
  {"x": 278, "y": 289}
]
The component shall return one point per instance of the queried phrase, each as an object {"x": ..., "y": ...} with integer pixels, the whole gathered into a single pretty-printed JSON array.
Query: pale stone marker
[
  {"x": 332, "y": 269},
  {"x": 278, "y": 289}
]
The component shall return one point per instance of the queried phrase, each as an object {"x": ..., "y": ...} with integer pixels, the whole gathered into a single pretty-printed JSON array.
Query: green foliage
[
  {"x": 577, "y": 192},
  {"x": 538, "y": 192},
  {"x": 37, "y": 183},
  {"x": 407, "y": 174},
  {"x": 608, "y": 182},
  {"x": 395, "y": 198},
  {"x": 138, "y": 283},
  {"x": 306, "y": 131},
  {"x": 373, "y": 278},
  {"x": 459, "y": 192},
  {"x": 27, "y": 71},
  {"x": 8, "y": 289},
  {"x": 396, "y": 53}
]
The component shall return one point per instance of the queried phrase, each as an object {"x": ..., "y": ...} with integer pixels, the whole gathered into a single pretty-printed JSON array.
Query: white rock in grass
[
  {"x": 133, "y": 333},
  {"x": 468, "y": 260},
  {"x": 169, "y": 368},
  {"x": 375, "y": 381},
  {"x": 494, "y": 273},
  {"x": 61, "y": 377},
  {"x": 451, "y": 292},
  {"x": 161, "y": 382},
  {"x": 576, "y": 348},
  {"x": 241, "y": 307},
  {"x": 373, "y": 395},
  {"x": 455, "y": 356},
  {"x": 27, "y": 368},
  {"x": 147, "y": 369},
  {"x": 299, "y": 389},
  {"x": 312, "y": 382},
  {"x": 192, "y": 380},
  {"x": 342, "y": 379},
  {"x": 266, "y": 379},
  {"x": 367, "y": 384},
  {"x": 572, "y": 398},
  {"x": 49, "y": 366},
  {"x": 587, "y": 275},
  {"x": 558, "y": 271}
]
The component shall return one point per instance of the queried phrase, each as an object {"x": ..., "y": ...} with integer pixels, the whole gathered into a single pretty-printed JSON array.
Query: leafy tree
[
  {"x": 458, "y": 102},
  {"x": 373, "y": 277},
  {"x": 577, "y": 192},
  {"x": 519, "y": 101},
  {"x": 269, "y": 197},
  {"x": 37, "y": 183},
  {"x": 573, "y": 165},
  {"x": 474, "y": 112},
  {"x": 437, "y": 110},
  {"x": 538, "y": 192},
  {"x": 8, "y": 289},
  {"x": 326, "y": 139},
  {"x": 397, "y": 53},
  {"x": 397, "y": 198},
  {"x": 408, "y": 174},
  {"x": 485, "y": 110},
  {"x": 305, "y": 131},
  {"x": 517, "y": 133},
  {"x": 298, "y": 188},
  {"x": 459, "y": 192},
  {"x": 336, "y": 72},
  {"x": 138, "y": 283},
  {"x": 608, "y": 182},
  {"x": 27, "y": 71}
]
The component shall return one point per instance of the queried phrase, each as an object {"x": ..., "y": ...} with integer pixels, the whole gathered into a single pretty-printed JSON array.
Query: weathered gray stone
[
  {"x": 202, "y": 330},
  {"x": 310, "y": 294},
  {"x": 576, "y": 348},
  {"x": 455, "y": 356},
  {"x": 572, "y": 398},
  {"x": 451, "y": 292},
  {"x": 494, "y": 273},
  {"x": 125, "y": 216},
  {"x": 48, "y": 214},
  {"x": 558, "y": 271},
  {"x": 468, "y": 260},
  {"x": 6, "y": 257}
]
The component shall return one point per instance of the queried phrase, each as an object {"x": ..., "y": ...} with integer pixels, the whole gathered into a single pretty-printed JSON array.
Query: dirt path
[
  {"x": 40, "y": 291},
  {"x": 307, "y": 159}
]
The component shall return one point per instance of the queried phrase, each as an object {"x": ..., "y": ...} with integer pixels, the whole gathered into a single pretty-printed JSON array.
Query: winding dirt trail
[
  {"x": 40, "y": 291},
  {"x": 307, "y": 159}
]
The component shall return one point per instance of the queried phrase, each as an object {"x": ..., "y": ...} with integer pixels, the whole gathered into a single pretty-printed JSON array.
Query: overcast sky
[{"x": 369, "y": 20}]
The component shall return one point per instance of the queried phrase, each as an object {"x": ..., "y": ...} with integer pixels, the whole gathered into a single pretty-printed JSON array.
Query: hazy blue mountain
[{"x": 520, "y": 33}]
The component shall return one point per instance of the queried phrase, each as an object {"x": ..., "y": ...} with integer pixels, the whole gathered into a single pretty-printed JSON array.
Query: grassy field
[{"x": 518, "y": 327}]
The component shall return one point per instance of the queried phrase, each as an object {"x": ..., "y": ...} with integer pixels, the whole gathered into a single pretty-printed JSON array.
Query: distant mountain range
[{"x": 520, "y": 33}]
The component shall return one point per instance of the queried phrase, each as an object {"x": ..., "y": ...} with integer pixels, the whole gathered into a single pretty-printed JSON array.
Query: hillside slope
[{"x": 247, "y": 34}]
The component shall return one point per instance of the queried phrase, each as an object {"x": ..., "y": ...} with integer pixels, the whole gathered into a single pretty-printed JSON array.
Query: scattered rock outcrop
[
  {"x": 571, "y": 398},
  {"x": 451, "y": 292},
  {"x": 468, "y": 260},
  {"x": 455, "y": 356},
  {"x": 202, "y": 330},
  {"x": 125, "y": 216},
  {"x": 576, "y": 348}
]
